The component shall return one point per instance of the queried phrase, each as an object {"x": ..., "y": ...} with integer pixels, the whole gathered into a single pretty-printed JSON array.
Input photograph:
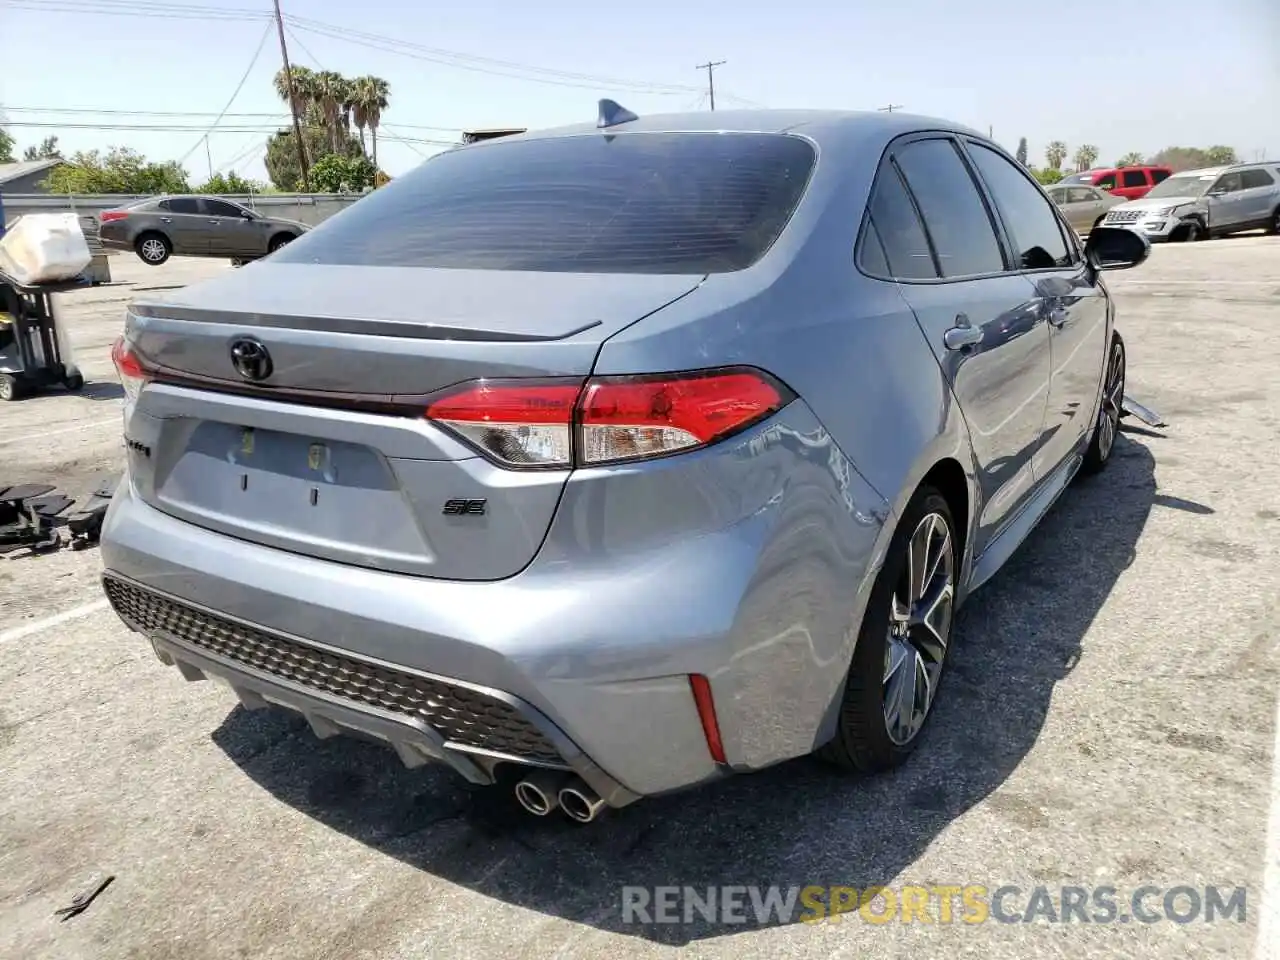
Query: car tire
[
  {"x": 11, "y": 388},
  {"x": 74, "y": 382},
  {"x": 1273, "y": 227},
  {"x": 279, "y": 241},
  {"x": 902, "y": 643},
  {"x": 153, "y": 249},
  {"x": 1107, "y": 426}
]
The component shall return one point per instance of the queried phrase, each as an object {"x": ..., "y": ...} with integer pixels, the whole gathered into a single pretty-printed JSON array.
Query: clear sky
[{"x": 1123, "y": 75}]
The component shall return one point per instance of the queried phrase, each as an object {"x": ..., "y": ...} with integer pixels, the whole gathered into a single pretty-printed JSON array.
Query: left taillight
[
  {"x": 604, "y": 420},
  {"x": 132, "y": 374},
  {"x": 107, "y": 216}
]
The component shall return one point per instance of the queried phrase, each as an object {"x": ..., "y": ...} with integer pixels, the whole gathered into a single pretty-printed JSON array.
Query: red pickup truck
[{"x": 1132, "y": 183}]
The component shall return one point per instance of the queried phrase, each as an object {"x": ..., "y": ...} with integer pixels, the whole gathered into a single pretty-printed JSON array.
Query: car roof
[
  {"x": 1205, "y": 171},
  {"x": 817, "y": 124}
]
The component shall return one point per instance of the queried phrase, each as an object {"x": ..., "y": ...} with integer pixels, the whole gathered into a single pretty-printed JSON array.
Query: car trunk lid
[{"x": 328, "y": 454}]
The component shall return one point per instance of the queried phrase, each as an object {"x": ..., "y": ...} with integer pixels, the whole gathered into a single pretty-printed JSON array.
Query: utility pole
[
  {"x": 208, "y": 158},
  {"x": 889, "y": 108},
  {"x": 710, "y": 67},
  {"x": 297, "y": 127}
]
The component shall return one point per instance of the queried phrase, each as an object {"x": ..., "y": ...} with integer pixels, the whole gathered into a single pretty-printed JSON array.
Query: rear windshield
[{"x": 631, "y": 203}]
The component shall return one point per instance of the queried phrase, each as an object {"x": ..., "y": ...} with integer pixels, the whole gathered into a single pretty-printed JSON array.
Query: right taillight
[
  {"x": 531, "y": 424},
  {"x": 129, "y": 367}
]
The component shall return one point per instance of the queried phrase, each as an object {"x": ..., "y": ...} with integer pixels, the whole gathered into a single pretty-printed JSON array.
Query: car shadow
[
  {"x": 799, "y": 823},
  {"x": 101, "y": 390}
]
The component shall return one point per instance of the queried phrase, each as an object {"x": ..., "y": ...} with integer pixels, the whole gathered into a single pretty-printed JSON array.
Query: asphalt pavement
[{"x": 1108, "y": 721}]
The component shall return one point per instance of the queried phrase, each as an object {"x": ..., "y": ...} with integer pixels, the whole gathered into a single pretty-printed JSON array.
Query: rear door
[
  {"x": 1258, "y": 198},
  {"x": 979, "y": 317},
  {"x": 182, "y": 220},
  {"x": 1068, "y": 299},
  {"x": 1133, "y": 184}
]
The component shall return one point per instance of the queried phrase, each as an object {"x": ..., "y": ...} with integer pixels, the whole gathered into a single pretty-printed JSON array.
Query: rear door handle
[
  {"x": 166, "y": 219},
  {"x": 214, "y": 222},
  {"x": 962, "y": 335}
]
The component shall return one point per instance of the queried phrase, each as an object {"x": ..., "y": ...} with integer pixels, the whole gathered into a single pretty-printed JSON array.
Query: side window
[
  {"x": 1256, "y": 178},
  {"x": 220, "y": 208},
  {"x": 871, "y": 256},
  {"x": 1228, "y": 183},
  {"x": 184, "y": 205},
  {"x": 1034, "y": 226},
  {"x": 163, "y": 205},
  {"x": 954, "y": 214},
  {"x": 1107, "y": 182},
  {"x": 902, "y": 238},
  {"x": 1158, "y": 176},
  {"x": 1082, "y": 195},
  {"x": 1060, "y": 196},
  {"x": 1135, "y": 178}
]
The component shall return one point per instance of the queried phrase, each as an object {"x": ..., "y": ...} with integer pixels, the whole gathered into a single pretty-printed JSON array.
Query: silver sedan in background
[{"x": 1084, "y": 207}]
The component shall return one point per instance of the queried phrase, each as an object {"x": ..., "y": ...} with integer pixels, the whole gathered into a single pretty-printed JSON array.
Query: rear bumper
[{"x": 588, "y": 650}]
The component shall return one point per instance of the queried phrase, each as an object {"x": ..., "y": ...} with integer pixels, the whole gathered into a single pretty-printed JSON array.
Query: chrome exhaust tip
[
  {"x": 579, "y": 801},
  {"x": 539, "y": 793}
]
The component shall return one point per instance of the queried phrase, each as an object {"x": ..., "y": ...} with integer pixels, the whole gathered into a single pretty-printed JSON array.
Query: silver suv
[{"x": 1199, "y": 204}]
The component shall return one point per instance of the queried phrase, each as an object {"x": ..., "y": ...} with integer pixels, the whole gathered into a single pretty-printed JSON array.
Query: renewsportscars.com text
[{"x": 967, "y": 903}]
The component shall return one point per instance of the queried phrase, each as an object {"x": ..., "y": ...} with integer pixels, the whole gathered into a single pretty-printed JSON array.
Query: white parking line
[
  {"x": 1197, "y": 283},
  {"x": 35, "y": 433},
  {"x": 38, "y": 626},
  {"x": 1269, "y": 908}
]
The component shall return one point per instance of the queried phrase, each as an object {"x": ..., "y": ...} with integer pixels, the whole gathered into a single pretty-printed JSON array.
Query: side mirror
[
  {"x": 1115, "y": 248},
  {"x": 248, "y": 215}
]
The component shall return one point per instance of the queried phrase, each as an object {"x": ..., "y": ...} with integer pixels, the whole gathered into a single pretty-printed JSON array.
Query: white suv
[{"x": 1198, "y": 204}]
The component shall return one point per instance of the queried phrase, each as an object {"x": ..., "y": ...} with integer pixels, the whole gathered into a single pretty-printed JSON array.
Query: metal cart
[{"x": 30, "y": 348}]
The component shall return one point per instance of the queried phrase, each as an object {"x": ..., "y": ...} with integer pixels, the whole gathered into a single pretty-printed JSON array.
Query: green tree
[
  {"x": 339, "y": 174},
  {"x": 6, "y": 146},
  {"x": 1193, "y": 158},
  {"x": 1131, "y": 159},
  {"x": 282, "y": 154},
  {"x": 330, "y": 93},
  {"x": 1085, "y": 157},
  {"x": 120, "y": 170},
  {"x": 230, "y": 183},
  {"x": 1048, "y": 175},
  {"x": 1022, "y": 151},
  {"x": 1054, "y": 154},
  {"x": 369, "y": 97},
  {"x": 48, "y": 150}
]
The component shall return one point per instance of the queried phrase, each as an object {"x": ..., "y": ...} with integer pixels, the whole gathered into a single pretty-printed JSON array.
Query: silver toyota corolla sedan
[{"x": 613, "y": 459}]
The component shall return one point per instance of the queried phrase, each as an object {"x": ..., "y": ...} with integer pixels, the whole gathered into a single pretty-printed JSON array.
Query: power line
[
  {"x": 464, "y": 61},
  {"x": 253, "y": 62},
  {"x": 133, "y": 8},
  {"x": 710, "y": 67},
  {"x": 282, "y": 116},
  {"x": 889, "y": 108},
  {"x": 450, "y": 58}
]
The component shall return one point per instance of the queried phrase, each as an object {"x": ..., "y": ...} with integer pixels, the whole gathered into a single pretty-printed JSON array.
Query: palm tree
[
  {"x": 330, "y": 92},
  {"x": 1085, "y": 156},
  {"x": 1131, "y": 159},
  {"x": 303, "y": 89},
  {"x": 1054, "y": 154},
  {"x": 370, "y": 98}
]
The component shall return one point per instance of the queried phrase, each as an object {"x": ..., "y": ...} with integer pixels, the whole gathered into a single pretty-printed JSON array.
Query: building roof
[{"x": 12, "y": 171}]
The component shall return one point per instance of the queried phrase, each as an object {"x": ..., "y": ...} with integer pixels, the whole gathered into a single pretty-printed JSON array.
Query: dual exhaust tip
[{"x": 545, "y": 791}]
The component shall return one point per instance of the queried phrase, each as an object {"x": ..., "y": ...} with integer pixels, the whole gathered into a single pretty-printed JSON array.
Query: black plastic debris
[
  {"x": 31, "y": 516},
  {"x": 80, "y": 902}
]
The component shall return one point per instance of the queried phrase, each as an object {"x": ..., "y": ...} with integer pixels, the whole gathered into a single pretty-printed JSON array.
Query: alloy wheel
[
  {"x": 153, "y": 250},
  {"x": 1112, "y": 402},
  {"x": 919, "y": 628}
]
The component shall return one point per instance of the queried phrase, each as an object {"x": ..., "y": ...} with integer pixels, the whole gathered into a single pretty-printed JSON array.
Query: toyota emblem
[{"x": 250, "y": 358}]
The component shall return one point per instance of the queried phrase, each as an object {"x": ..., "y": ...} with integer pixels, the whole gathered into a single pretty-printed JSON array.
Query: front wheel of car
[
  {"x": 902, "y": 644},
  {"x": 153, "y": 248},
  {"x": 278, "y": 242},
  {"x": 1107, "y": 426},
  {"x": 1274, "y": 226}
]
